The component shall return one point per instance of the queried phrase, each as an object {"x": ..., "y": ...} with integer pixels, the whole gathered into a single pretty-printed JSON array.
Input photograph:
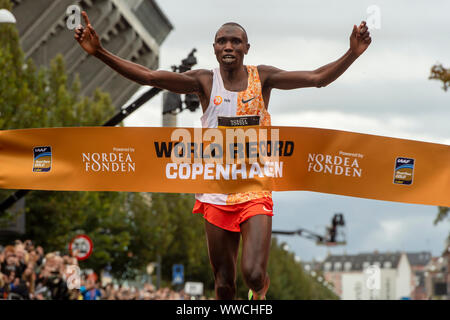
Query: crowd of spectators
[{"x": 26, "y": 272}]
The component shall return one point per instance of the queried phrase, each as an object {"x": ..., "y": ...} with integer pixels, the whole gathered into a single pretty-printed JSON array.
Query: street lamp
[{"x": 6, "y": 16}]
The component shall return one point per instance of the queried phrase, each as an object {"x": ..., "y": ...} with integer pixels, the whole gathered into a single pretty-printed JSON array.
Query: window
[
  {"x": 337, "y": 266},
  {"x": 327, "y": 266},
  {"x": 348, "y": 266},
  {"x": 388, "y": 265}
]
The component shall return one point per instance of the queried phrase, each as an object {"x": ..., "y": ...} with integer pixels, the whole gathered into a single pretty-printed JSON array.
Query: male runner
[{"x": 232, "y": 90}]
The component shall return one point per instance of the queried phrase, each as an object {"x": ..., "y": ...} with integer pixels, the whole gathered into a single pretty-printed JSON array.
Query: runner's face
[{"x": 230, "y": 46}]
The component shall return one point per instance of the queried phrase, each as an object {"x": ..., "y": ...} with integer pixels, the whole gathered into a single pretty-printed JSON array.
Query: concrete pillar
[
  {"x": 121, "y": 88},
  {"x": 93, "y": 72},
  {"x": 62, "y": 41},
  {"x": 43, "y": 24}
]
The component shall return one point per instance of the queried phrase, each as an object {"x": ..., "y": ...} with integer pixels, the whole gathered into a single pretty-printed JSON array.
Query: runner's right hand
[{"x": 87, "y": 37}]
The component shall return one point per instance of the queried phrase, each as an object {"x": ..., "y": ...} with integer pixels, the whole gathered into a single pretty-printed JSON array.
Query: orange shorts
[{"x": 229, "y": 217}]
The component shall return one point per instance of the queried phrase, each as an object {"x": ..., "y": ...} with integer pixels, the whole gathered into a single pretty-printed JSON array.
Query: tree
[
  {"x": 184, "y": 237},
  {"x": 31, "y": 98},
  {"x": 438, "y": 72},
  {"x": 127, "y": 231},
  {"x": 443, "y": 213}
]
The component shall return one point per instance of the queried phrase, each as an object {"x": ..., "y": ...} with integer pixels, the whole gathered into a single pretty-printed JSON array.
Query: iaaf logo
[
  {"x": 119, "y": 160},
  {"x": 343, "y": 164},
  {"x": 42, "y": 159},
  {"x": 404, "y": 171}
]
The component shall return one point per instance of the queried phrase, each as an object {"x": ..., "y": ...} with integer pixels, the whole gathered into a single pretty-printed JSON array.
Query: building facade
[
  {"x": 131, "y": 29},
  {"x": 437, "y": 276},
  {"x": 418, "y": 263},
  {"x": 377, "y": 276}
]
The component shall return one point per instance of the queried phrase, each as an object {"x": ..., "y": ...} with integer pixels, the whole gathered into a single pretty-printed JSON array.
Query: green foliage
[
  {"x": 31, "y": 98},
  {"x": 443, "y": 213},
  {"x": 127, "y": 231},
  {"x": 438, "y": 72},
  {"x": 179, "y": 238}
]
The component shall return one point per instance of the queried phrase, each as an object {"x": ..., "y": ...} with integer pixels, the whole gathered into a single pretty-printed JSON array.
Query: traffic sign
[
  {"x": 194, "y": 288},
  {"x": 81, "y": 247},
  {"x": 177, "y": 274}
]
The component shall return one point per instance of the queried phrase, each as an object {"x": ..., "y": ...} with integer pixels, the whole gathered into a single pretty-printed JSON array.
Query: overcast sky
[{"x": 385, "y": 92}]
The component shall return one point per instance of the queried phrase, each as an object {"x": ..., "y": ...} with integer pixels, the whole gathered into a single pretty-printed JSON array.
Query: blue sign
[{"x": 177, "y": 274}]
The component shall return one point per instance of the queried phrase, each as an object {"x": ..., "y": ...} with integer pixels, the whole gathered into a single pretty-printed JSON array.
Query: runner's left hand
[{"x": 360, "y": 38}]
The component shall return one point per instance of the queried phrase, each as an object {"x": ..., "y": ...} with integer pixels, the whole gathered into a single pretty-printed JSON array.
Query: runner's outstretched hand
[
  {"x": 360, "y": 38},
  {"x": 87, "y": 37}
]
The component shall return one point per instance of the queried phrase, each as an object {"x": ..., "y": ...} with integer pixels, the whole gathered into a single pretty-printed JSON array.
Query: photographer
[{"x": 50, "y": 283}]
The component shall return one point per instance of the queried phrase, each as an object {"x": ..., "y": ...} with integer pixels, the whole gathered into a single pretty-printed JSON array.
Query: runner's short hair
[{"x": 235, "y": 24}]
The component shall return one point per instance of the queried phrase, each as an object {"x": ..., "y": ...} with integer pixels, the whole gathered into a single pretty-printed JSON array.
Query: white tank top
[{"x": 230, "y": 104}]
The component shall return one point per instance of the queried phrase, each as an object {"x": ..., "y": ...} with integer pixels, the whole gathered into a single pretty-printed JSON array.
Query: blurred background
[{"x": 397, "y": 88}]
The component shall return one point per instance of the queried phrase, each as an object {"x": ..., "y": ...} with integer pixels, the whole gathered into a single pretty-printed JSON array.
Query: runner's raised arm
[
  {"x": 275, "y": 78},
  {"x": 187, "y": 82}
]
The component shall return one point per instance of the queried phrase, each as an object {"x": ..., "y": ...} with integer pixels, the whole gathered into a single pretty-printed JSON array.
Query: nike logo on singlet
[
  {"x": 265, "y": 209},
  {"x": 245, "y": 101}
]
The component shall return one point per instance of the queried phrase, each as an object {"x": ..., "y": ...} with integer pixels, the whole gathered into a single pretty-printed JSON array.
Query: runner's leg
[
  {"x": 256, "y": 239},
  {"x": 223, "y": 247}
]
